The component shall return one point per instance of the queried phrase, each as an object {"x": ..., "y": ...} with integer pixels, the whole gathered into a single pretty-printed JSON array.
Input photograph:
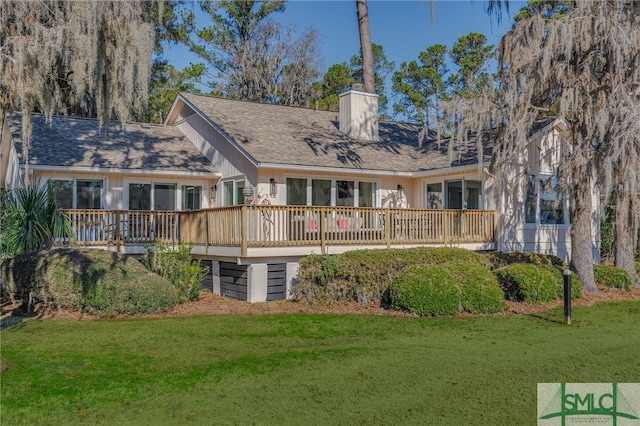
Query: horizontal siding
[
  {"x": 233, "y": 280},
  {"x": 276, "y": 281}
]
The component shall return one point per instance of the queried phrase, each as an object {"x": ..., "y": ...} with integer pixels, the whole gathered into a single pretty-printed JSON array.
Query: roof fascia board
[
  {"x": 86, "y": 169},
  {"x": 560, "y": 121},
  {"x": 170, "y": 119},
  {"x": 219, "y": 130},
  {"x": 449, "y": 170},
  {"x": 338, "y": 170}
]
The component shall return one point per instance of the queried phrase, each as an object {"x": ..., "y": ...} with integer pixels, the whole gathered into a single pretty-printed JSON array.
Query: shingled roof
[
  {"x": 81, "y": 142},
  {"x": 277, "y": 135}
]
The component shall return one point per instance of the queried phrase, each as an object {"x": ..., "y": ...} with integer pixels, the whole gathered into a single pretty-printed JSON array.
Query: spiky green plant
[{"x": 31, "y": 221}]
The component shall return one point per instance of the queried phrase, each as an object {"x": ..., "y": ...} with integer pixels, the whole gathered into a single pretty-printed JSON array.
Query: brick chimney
[{"x": 359, "y": 114}]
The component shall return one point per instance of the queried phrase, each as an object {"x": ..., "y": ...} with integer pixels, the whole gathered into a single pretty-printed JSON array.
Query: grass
[{"x": 308, "y": 369}]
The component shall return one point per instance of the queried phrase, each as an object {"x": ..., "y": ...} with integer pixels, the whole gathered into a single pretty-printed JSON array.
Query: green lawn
[{"x": 308, "y": 369}]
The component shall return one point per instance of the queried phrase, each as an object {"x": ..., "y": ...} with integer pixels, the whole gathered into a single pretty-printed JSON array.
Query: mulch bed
[{"x": 211, "y": 304}]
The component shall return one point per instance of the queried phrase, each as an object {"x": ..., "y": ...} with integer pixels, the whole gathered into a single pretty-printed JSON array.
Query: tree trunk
[
  {"x": 623, "y": 247},
  {"x": 581, "y": 240},
  {"x": 366, "y": 49}
]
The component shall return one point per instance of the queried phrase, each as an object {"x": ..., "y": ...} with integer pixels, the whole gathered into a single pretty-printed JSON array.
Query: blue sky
[{"x": 403, "y": 28}]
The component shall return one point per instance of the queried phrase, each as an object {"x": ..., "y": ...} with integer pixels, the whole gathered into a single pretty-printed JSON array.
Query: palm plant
[{"x": 30, "y": 221}]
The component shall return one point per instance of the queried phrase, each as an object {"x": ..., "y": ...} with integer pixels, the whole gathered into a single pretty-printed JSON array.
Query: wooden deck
[{"x": 248, "y": 227}]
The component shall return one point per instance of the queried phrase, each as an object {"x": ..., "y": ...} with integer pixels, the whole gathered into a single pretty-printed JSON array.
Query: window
[
  {"x": 544, "y": 204},
  {"x": 320, "y": 192},
  {"x": 344, "y": 193},
  {"x": 326, "y": 192},
  {"x": 82, "y": 194},
  {"x": 463, "y": 194},
  {"x": 140, "y": 196},
  {"x": 366, "y": 194},
  {"x": 191, "y": 196},
  {"x": 433, "y": 199},
  {"x": 233, "y": 192},
  {"x": 152, "y": 196},
  {"x": 61, "y": 191},
  {"x": 296, "y": 192}
]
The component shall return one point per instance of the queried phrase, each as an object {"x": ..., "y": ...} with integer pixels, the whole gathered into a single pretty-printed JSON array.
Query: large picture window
[
  {"x": 77, "y": 193},
  {"x": 328, "y": 192},
  {"x": 544, "y": 203}
]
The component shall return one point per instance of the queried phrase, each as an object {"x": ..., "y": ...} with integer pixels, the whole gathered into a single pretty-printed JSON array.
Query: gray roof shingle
[
  {"x": 305, "y": 137},
  {"x": 81, "y": 142}
]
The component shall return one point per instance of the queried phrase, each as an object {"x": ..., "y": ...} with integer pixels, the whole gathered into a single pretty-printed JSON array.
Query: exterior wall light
[
  {"x": 213, "y": 191},
  {"x": 273, "y": 188},
  {"x": 400, "y": 190}
]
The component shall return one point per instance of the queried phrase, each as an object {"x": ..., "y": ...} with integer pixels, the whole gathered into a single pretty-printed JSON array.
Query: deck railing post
[
  {"x": 243, "y": 230},
  {"x": 117, "y": 229},
  {"x": 445, "y": 226},
  {"x": 387, "y": 227},
  {"x": 206, "y": 227},
  {"x": 323, "y": 240}
]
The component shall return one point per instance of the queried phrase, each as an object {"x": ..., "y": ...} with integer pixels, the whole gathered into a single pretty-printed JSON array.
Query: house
[{"x": 257, "y": 186}]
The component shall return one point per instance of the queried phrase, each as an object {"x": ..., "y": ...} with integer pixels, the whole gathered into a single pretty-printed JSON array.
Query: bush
[
  {"x": 480, "y": 291},
  {"x": 610, "y": 276},
  {"x": 576, "y": 284},
  {"x": 177, "y": 266},
  {"x": 97, "y": 281},
  {"x": 366, "y": 275},
  {"x": 16, "y": 274},
  {"x": 501, "y": 259},
  {"x": 526, "y": 282},
  {"x": 447, "y": 289},
  {"x": 425, "y": 291}
]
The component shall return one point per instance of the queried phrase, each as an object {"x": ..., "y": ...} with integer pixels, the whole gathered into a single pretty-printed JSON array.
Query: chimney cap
[{"x": 358, "y": 86}]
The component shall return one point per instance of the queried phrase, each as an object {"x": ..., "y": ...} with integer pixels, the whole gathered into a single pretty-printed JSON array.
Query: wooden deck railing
[
  {"x": 284, "y": 226},
  {"x": 118, "y": 227}
]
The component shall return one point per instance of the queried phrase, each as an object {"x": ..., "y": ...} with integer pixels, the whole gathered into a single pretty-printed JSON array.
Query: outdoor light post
[{"x": 567, "y": 296}]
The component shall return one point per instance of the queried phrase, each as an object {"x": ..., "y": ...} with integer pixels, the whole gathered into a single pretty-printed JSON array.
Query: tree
[
  {"x": 381, "y": 69},
  {"x": 338, "y": 79},
  {"x": 584, "y": 67},
  {"x": 56, "y": 55},
  {"x": 366, "y": 48},
  {"x": 471, "y": 54},
  {"x": 254, "y": 58},
  {"x": 166, "y": 82},
  {"x": 422, "y": 88}
]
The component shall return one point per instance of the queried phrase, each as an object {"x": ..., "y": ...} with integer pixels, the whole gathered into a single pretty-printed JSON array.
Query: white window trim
[
  {"x": 537, "y": 225},
  {"x": 443, "y": 183},
  {"x": 334, "y": 191},
  {"x": 74, "y": 203},
  {"x": 127, "y": 181},
  {"x": 222, "y": 189}
]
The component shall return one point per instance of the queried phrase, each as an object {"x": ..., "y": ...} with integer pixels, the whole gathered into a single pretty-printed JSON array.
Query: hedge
[{"x": 611, "y": 276}]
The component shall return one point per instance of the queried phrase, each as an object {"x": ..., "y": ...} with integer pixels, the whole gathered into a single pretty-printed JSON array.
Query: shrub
[
  {"x": 528, "y": 282},
  {"x": 576, "y": 284},
  {"x": 480, "y": 291},
  {"x": 425, "y": 291},
  {"x": 97, "y": 281},
  {"x": 610, "y": 276},
  {"x": 501, "y": 259},
  {"x": 16, "y": 274},
  {"x": 176, "y": 265},
  {"x": 365, "y": 275},
  {"x": 30, "y": 221}
]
